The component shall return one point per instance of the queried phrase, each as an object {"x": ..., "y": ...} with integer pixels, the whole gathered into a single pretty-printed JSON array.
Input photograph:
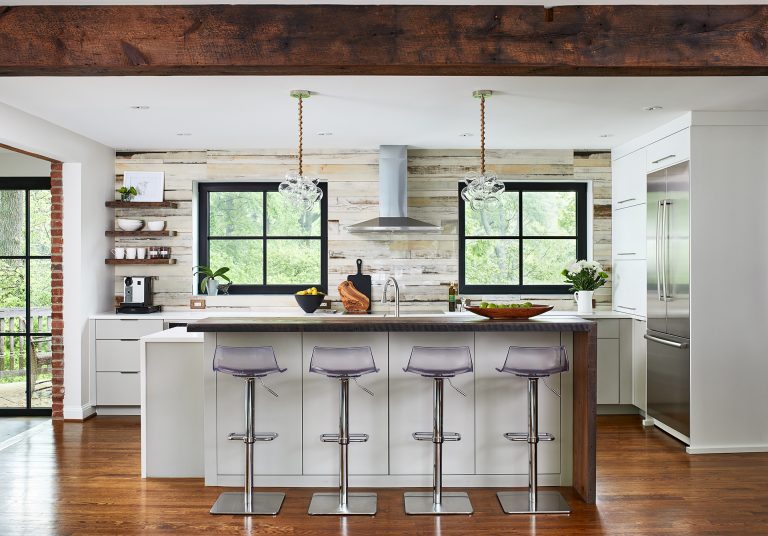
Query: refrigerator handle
[
  {"x": 673, "y": 344},
  {"x": 658, "y": 252},
  {"x": 665, "y": 248}
]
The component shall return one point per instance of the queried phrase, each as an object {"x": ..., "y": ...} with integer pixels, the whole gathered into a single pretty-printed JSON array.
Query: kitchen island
[{"x": 307, "y": 405}]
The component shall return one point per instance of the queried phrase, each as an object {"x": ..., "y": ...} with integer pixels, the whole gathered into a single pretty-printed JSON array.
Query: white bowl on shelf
[
  {"x": 129, "y": 225},
  {"x": 158, "y": 225}
]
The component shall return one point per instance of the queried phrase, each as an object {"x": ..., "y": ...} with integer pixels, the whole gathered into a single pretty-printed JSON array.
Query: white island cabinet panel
[
  {"x": 410, "y": 409},
  {"x": 272, "y": 414},
  {"x": 501, "y": 405},
  {"x": 367, "y": 414}
]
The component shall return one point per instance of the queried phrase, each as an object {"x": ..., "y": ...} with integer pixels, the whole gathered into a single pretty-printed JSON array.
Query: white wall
[
  {"x": 729, "y": 287},
  {"x": 20, "y": 165},
  {"x": 88, "y": 283}
]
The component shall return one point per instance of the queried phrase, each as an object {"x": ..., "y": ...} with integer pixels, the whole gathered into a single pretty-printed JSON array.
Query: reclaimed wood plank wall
[{"x": 423, "y": 264}]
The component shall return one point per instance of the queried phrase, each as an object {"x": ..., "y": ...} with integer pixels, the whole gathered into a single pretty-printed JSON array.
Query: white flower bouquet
[{"x": 585, "y": 275}]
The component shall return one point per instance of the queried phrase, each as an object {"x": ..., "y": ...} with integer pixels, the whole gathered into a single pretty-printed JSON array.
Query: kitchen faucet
[{"x": 397, "y": 294}]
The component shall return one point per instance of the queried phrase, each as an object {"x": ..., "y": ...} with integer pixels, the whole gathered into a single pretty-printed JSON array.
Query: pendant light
[
  {"x": 301, "y": 190},
  {"x": 482, "y": 189}
]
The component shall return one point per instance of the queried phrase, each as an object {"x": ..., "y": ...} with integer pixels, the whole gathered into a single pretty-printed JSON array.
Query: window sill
[{"x": 249, "y": 300}]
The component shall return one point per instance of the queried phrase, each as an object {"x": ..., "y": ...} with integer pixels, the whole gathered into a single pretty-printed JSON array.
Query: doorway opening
[{"x": 26, "y": 320}]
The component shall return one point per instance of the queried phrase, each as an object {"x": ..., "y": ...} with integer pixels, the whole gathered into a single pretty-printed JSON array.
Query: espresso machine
[{"x": 137, "y": 296}]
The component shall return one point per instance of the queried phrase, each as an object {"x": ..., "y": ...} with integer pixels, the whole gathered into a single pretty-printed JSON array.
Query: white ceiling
[{"x": 364, "y": 112}]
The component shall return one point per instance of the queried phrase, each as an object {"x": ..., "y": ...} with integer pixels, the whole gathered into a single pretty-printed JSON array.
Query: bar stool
[
  {"x": 438, "y": 363},
  {"x": 249, "y": 363},
  {"x": 533, "y": 363},
  {"x": 343, "y": 364}
]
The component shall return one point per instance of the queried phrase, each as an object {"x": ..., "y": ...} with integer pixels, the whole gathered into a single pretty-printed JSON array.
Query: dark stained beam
[{"x": 383, "y": 40}]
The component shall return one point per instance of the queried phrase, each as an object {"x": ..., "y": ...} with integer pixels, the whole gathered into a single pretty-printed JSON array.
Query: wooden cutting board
[{"x": 362, "y": 282}]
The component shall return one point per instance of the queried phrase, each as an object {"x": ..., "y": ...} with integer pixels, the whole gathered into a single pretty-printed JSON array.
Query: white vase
[
  {"x": 213, "y": 287},
  {"x": 583, "y": 301}
]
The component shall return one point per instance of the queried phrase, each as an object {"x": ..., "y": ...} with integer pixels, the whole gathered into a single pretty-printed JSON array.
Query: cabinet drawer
[
  {"x": 127, "y": 328},
  {"x": 117, "y": 356},
  {"x": 629, "y": 232},
  {"x": 667, "y": 151},
  {"x": 628, "y": 180},
  {"x": 607, "y": 329},
  {"x": 608, "y": 371},
  {"x": 118, "y": 389},
  {"x": 629, "y": 286}
]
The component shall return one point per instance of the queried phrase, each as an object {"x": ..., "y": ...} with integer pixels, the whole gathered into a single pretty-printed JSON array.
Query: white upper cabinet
[
  {"x": 628, "y": 179},
  {"x": 628, "y": 230},
  {"x": 668, "y": 151},
  {"x": 629, "y": 286}
]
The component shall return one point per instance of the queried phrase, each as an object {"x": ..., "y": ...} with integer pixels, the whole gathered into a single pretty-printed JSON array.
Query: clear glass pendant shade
[
  {"x": 301, "y": 190},
  {"x": 482, "y": 190}
]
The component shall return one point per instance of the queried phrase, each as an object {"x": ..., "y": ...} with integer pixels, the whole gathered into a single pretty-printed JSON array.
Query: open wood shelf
[
  {"x": 139, "y": 261},
  {"x": 141, "y": 204},
  {"x": 145, "y": 234}
]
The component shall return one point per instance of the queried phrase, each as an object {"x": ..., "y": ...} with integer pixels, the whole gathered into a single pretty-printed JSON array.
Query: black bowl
[{"x": 309, "y": 302}]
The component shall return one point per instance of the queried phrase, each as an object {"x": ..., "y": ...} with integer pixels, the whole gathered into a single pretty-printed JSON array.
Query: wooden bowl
[{"x": 511, "y": 312}]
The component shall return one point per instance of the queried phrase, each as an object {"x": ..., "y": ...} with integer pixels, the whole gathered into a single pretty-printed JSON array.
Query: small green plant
[
  {"x": 210, "y": 274},
  {"x": 126, "y": 194}
]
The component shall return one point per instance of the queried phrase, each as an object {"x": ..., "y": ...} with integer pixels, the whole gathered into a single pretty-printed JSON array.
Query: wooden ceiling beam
[{"x": 383, "y": 40}]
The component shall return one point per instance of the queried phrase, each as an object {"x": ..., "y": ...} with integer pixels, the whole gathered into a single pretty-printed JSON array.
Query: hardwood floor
[{"x": 77, "y": 478}]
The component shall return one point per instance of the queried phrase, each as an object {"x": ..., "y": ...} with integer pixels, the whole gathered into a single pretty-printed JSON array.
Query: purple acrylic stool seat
[
  {"x": 249, "y": 363},
  {"x": 343, "y": 364},
  {"x": 438, "y": 363},
  {"x": 533, "y": 363}
]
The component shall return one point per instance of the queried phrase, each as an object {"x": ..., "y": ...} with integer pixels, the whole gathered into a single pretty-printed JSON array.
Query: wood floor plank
[{"x": 83, "y": 479}]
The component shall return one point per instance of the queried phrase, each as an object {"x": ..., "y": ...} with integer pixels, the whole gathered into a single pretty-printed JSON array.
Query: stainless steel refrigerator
[{"x": 668, "y": 334}]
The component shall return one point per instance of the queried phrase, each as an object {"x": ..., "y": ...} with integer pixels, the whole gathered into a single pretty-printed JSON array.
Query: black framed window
[
  {"x": 523, "y": 244},
  {"x": 25, "y": 295},
  {"x": 270, "y": 246}
]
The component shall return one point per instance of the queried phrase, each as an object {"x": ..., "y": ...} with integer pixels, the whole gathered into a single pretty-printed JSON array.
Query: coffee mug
[
  {"x": 130, "y": 253},
  {"x": 119, "y": 253},
  {"x": 141, "y": 253}
]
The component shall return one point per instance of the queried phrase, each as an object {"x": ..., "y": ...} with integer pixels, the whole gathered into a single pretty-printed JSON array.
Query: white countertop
[
  {"x": 208, "y": 313},
  {"x": 179, "y": 334}
]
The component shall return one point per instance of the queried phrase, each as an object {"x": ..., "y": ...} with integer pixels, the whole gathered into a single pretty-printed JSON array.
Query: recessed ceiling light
[
  {"x": 606, "y": 135},
  {"x": 183, "y": 133},
  {"x": 325, "y": 133},
  {"x": 466, "y": 135},
  {"x": 653, "y": 108},
  {"x": 140, "y": 107}
]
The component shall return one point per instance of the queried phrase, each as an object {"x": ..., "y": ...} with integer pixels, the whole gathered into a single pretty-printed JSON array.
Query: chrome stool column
[
  {"x": 343, "y": 364},
  {"x": 439, "y": 363},
  {"x": 249, "y": 363},
  {"x": 533, "y": 363}
]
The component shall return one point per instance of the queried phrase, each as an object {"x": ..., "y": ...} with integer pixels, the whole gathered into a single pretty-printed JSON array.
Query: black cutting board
[{"x": 362, "y": 282}]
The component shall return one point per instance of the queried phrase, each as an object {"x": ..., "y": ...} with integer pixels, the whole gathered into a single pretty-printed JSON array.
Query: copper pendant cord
[
  {"x": 482, "y": 134},
  {"x": 301, "y": 138}
]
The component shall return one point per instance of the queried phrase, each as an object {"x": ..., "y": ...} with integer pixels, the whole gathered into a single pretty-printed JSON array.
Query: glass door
[{"x": 25, "y": 296}]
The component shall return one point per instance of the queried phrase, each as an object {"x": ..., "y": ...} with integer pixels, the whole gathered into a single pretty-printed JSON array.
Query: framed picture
[{"x": 148, "y": 184}]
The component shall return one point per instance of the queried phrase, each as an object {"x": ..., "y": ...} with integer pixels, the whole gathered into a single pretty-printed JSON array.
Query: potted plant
[
  {"x": 584, "y": 277},
  {"x": 127, "y": 194},
  {"x": 208, "y": 283}
]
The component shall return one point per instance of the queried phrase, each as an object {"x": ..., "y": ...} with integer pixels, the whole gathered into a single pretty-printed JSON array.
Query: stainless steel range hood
[{"x": 393, "y": 197}]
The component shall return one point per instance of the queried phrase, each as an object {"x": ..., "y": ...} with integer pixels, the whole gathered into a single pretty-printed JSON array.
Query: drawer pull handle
[
  {"x": 129, "y": 372},
  {"x": 627, "y": 253},
  {"x": 665, "y": 158},
  {"x": 129, "y": 340},
  {"x": 626, "y": 200},
  {"x": 627, "y": 308}
]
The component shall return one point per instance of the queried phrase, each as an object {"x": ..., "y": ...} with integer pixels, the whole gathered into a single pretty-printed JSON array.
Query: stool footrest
[
  {"x": 352, "y": 438},
  {"x": 523, "y": 436},
  {"x": 261, "y": 436},
  {"x": 427, "y": 436}
]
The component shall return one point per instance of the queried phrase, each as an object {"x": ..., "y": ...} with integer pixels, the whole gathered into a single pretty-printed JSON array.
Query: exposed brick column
[{"x": 57, "y": 292}]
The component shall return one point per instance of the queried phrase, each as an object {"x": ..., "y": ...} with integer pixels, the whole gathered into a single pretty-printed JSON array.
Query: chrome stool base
[
  {"x": 422, "y": 503},
  {"x": 519, "y": 502},
  {"x": 233, "y": 503},
  {"x": 358, "y": 504}
]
